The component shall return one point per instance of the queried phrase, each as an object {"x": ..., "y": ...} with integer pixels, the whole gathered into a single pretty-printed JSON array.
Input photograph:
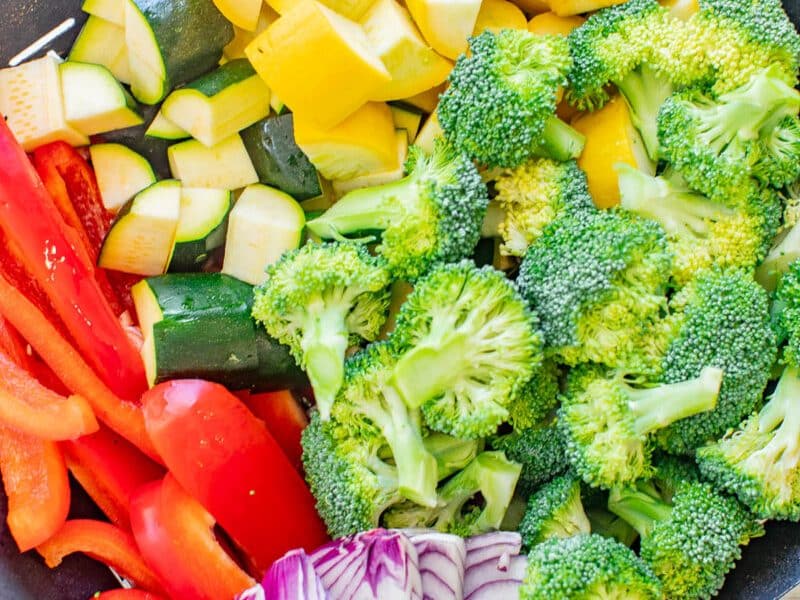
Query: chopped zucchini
[
  {"x": 142, "y": 237},
  {"x": 162, "y": 128},
  {"x": 219, "y": 104},
  {"x": 262, "y": 225},
  {"x": 201, "y": 228},
  {"x": 121, "y": 173},
  {"x": 395, "y": 174},
  {"x": 406, "y": 117},
  {"x": 225, "y": 166},
  {"x": 112, "y": 11},
  {"x": 103, "y": 43}
]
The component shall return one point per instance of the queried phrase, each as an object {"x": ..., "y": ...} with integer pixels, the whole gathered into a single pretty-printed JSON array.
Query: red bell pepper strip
[
  {"x": 110, "y": 470},
  {"x": 176, "y": 537},
  {"x": 32, "y": 224},
  {"x": 225, "y": 457},
  {"x": 285, "y": 419},
  {"x": 29, "y": 407},
  {"x": 103, "y": 542},
  {"x": 123, "y": 417},
  {"x": 37, "y": 486},
  {"x": 123, "y": 594}
]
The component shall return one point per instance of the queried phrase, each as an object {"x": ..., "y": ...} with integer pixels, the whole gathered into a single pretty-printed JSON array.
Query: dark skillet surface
[{"x": 769, "y": 568}]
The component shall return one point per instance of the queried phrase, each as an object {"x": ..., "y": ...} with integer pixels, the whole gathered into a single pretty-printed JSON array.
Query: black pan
[{"x": 770, "y": 566}]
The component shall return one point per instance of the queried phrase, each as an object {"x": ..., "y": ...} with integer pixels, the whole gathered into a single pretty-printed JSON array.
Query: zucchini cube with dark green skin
[{"x": 202, "y": 226}]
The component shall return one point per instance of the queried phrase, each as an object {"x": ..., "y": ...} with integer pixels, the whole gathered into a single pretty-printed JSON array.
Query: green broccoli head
[
  {"x": 671, "y": 472},
  {"x": 786, "y": 245},
  {"x": 500, "y": 104},
  {"x": 370, "y": 405},
  {"x": 431, "y": 216},
  {"x": 718, "y": 143},
  {"x": 721, "y": 319},
  {"x": 318, "y": 300},
  {"x": 534, "y": 401},
  {"x": 703, "y": 233},
  {"x": 787, "y": 305},
  {"x": 555, "y": 510},
  {"x": 534, "y": 194},
  {"x": 587, "y": 566},
  {"x": 760, "y": 461},
  {"x": 691, "y": 543},
  {"x": 607, "y": 421},
  {"x": 597, "y": 281},
  {"x": 466, "y": 342}
]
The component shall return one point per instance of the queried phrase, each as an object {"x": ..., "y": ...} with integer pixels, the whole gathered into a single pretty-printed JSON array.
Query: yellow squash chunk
[
  {"x": 495, "y": 15},
  {"x": 319, "y": 63},
  {"x": 446, "y": 24},
  {"x": 428, "y": 100},
  {"x": 413, "y": 65},
  {"x": 550, "y": 23},
  {"x": 226, "y": 166},
  {"x": 363, "y": 143},
  {"x": 242, "y": 13},
  {"x": 611, "y": 138},
  {"x": 396, "y": 173},
  {"x": 429, "y": 132},
  {"x": 242, "y": 38},
  {"x": 533, "y": 7},
  {"x": 565, "y": 8},
  {"x": 352, "y": 9},
  {"x": 683, "y": 9}
]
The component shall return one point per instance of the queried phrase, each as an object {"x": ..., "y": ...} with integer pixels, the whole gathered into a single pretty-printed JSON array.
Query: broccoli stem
[
  {"x": 610, "y": 525},
  {"x": 785, "y": 251},
  {"x": 570, "y": 520},
  {"x": 639, "y": 509},
  {"x": 657, "y": 407},
  {"x": 559, "y": 141},
  {"x": 451, "y": 454},
  {"x": 644, "y": 92}
]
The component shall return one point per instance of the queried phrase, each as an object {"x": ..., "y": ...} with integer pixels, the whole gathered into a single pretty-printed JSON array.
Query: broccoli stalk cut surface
[
  {"x": 608, "y": 422},
  {"x": 318, "y": 300},
  {"x": 431, "y": 216},
  {"x": 760, "y": 461},
  {"x": 555, "y": 510}
]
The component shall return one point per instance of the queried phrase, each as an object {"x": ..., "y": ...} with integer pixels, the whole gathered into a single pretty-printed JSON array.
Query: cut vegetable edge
[{"x": 121, "y": 173}]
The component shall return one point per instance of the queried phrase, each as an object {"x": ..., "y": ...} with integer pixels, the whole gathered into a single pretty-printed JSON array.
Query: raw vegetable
[
  {"x": 162, "y": 128},
  {"x": 242, "y": 37},
  {"x": 565, "y": 8},
  {"x": 494, "y": 567},
  {"x": 496, "y": 15},
  {"x": 285, "y": 419},
  {"x": 243, "y": 14},
  {"x": 430, "y": 131},
  {"x": 126, "y": 594},
  {"x": 442, "y": 558},
  {"x": 342, "y": 187},
  {"x": 549, "y": 23},
  {"x": 225, "y": 166},
  {"x": 426, "y": 101},
  {"x": 293, "y": 577},
  {"x": 112, "y": 11},
  {"x": 121, "y": 173},
  {"x": 202, "y": 225},
  {"x": 101, "y": 42},
  {"x": 445, "y": 25},
  {"x": 406, "y": 117}
]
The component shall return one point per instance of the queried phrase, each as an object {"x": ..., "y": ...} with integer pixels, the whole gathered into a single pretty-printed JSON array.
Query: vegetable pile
[{"x": 506, "y": 307}]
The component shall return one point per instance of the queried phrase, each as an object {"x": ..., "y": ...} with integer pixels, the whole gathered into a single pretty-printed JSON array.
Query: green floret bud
[
  {"x": 534, "y": 401},
  {"x": 692, "y": 543},
  {"x": 583, "y": 567},
  {"x": 431, "y": 216},
  {"x": 701, "y": 232},
  {"x": 672, "y": 472},
  {"x": 466, "y": 342},
  {"x": 608, "y": 423},
  {"x": 717, "y": 144},
  {"x": 370, "y": 403},
  {"x": 472, "y": 501},
  {"x": 760, "y": 461},
  {"x": 500, "y": 105},
  {"x": 787, "y": 305},
  {"x": 721, "y": 319},
  {"x": 533, "y": 195},
  {"x": 776, "y": 153},
  {"x": 555, "y": 510},
  {"x": 318, "y": 300},
  {"x": 597, "y": 281}
]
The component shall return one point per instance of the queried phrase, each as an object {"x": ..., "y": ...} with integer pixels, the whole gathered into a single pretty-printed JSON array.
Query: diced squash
[
  {"x": 445, "y": 24},
  {"x": 533, "y": 7},
  {"x": 319, "y": 63},
  {"x": 429, "y": 132},
  {"x": 611, "y": 138},
  {"x": 407, "y": 118},
  {"x": 121, "y": 173},
  {"x": 242, "y": 13},
  {"x": 683, "y": 9},
  {"x": 242, "y": 37},
  {"x": 396, "y": 173},
  {"x": 428, "y": 100},
  {"x": 565, "y": 8},
  {"x": 413, "y": 65},
  {"x": 550, "y": 23},
  {"x": 363, "y": 143},
  {"x": 226, "y": 166},
  {"x": 495, "y": 15},
  {"x": 281, "y": 6},
  {"x": 112, "y": 11},
  {"x": 101, "y": 42},
  {"x": 33, "y": 105},
  {"x": 352, "y": 9}
]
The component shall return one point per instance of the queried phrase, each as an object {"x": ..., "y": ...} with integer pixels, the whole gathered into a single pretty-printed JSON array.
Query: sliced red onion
[
  {"x": 492, "y": 545},
  {"x": 372, "y": 565},
  {"x": 293, "y": 578},
  {"x": 493, "y": 579},
  {"x": 442, "y": 559}
]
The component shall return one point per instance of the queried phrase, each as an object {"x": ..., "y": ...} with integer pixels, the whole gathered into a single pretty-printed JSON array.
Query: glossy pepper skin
[{"x": 226, "y": 458}]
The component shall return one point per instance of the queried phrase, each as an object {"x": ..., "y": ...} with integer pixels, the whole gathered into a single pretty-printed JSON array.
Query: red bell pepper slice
[
  {"x": 110, "y": 470},
  {"x": 176, "y": 537},
  {"x": 34, "y": 226},
  {"x": 123, "y": 594},
  {"x": 103, "y": 542},
  {"x": 37, "y": 486},
  {"x": 285, "y": 419},
  {"x": 123, "y": 417},
  {"x": 225, "y": 457}
]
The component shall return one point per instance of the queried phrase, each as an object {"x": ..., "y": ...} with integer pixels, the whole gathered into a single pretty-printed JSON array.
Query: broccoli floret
[
  {"x": 555, "y": 510},
  {"x": 691, "y": 543},
  {"x": 534, "y": 401},
  {"x": 671, "y": 472},
  {"x": 597, "y": 280},
  {"x": 721, "y": 319},
  {"x": 608, "y": 423},
  {"x": 466, "y": 342},
  {"x": 318, "y": 300},
  {"x": 701, "y": 232},
  {"x": 369, "y": 404},
  {"x": 432, "y": 215},
  {"x": 717, "y": 144},
  {"x": 605, "y": 523},
  {"x": 534, "y": 194},
  {"x": 500, "y": 105},
  {"x": 451, "y": 454},
  {"x": 787, "y": 305},
  {"x": 760, "y": 461},
  {"x": 540, "y": 450},
  {"x": 471, "y": 502},
  {"x": 587, "y": 566}
]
